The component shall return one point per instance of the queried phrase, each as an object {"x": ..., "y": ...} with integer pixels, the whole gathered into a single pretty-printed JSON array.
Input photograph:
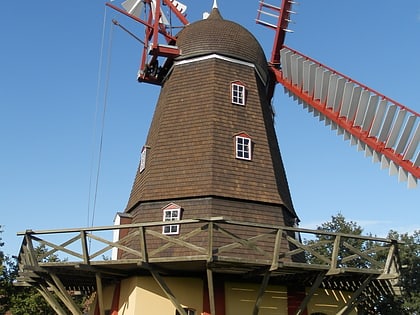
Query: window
[
  {"x": 171, "y": 213},
  {"x": 143, "y": 159},
  {"x": 243, "y": 147},
  {"x": 189, "y": 311},
  {"x": 238, "y": 94}
]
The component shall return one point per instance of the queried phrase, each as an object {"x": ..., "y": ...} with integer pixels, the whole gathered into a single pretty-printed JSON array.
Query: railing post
[
  {"x": 143, "y": 246},
  {"x": 334, "y": 255},
  {"x": 85, "y": 250},
  {"x": 210, "y": 242}
]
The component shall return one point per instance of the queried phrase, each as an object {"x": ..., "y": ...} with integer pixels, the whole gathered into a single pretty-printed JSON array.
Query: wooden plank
[
  {"x": 64, "y": 296},
  {"x": 311, "y": 292},
  {"x": 276, "y": 250},
  {"x": 176, "y": 241},
  {"x": 100, "y": 292},
  {"x": 261, "y": 292},
  {"x": 162, "y": 284},
  {"x": 46, "y": 294},
  {"x": 210, "y": 286},
  {"x": 350, "y": 304}
]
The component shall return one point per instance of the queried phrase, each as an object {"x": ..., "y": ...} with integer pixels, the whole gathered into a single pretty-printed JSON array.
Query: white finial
[{"x": 215, "y": 4}]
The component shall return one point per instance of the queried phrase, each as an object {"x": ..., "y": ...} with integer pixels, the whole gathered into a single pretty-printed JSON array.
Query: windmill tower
[
  {"x": 210, "y": 225},
  {"x": 211, "y": 147},
  {"x": 211, "y": 151}
]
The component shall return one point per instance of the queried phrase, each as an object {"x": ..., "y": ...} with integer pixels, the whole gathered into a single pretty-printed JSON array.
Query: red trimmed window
[
  {"x": 243, "y": 146},
  {"x": 238, "y": 93},
  {"x": 172, "y": 212}
]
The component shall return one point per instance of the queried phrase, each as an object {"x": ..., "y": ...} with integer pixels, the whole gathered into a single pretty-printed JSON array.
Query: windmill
[{"x": 210, "y": 226}]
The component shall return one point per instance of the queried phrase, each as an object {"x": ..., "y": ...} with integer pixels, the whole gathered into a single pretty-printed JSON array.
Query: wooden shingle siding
[
  {"x": 191, "y": 157},
  {"x": 192, "y": 139}
]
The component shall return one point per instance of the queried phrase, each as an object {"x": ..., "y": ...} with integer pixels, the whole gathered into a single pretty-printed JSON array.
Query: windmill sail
[{"x": 383, "y": 128}]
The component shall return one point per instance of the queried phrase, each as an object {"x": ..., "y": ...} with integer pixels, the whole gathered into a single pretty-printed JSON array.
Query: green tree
[
  {"x": 26, "y": 300},
  {"x": 324, "y": 244},
  {"x": 409, "y": 252},
  {"x": 18, "y": 300}
]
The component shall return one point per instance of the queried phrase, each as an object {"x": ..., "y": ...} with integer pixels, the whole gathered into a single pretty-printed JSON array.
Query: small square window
[
  {"x": 238, "y": 94},
  {"x": 171, "y": 215},
  {"x": 243, "y": 148}
]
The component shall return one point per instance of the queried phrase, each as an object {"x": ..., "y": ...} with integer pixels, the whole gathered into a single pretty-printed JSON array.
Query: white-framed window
[
  {"x": 189, "y": 311},
  {"x": 171, "y": 214},
  {"x": 243, "y": 145},
  {"x": 143, "y": 159},
  {"x": 238, "y": 93}
]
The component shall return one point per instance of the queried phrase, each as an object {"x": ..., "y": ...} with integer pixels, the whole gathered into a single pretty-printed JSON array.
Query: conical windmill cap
[{"x": 216, "y": 35}]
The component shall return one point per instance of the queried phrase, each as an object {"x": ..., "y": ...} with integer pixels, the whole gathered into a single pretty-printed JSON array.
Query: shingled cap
[{"x": 223, "y": 37}]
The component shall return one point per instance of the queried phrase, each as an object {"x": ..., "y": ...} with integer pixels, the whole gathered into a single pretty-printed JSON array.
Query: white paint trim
[{"x": 220, "y": 57}]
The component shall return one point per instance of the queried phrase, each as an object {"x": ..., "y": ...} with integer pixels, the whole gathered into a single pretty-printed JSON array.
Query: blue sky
[{"x": 49, "y": 65}]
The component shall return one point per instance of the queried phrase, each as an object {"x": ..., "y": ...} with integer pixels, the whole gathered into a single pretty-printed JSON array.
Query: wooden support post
[
  {"x": 350, "y": 304},
  {"x": 210, "y": 242},
  {"x": 167, "y": 291},
  {"x": 143, "y": 246},
  {"x": 210, "y": 285},
  {"x": 276, "y": 251},
  {"x": 100, "y": 292},
  {"x": 334, "y": 257},
  {"x": 51, "y": 300},
  {"x": 261, "y": 291},
  {"x": 311, "y": 292},
  {"x": 64, "y": 295},
  {"x": 32, "y": 258},
  {"x": 85, "y": 250}
]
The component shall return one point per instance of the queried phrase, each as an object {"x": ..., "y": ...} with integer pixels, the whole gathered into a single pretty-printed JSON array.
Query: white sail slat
[
  {"x": 361, "y": 146},
  {"x": 325, "y": 83},
  {"x": 396, "y": 129},
  {"x": 368, "y": 151},
  {"x": 405, "y": 136},
  {"x": 386, "y": 126},
  {"x": 414, "y": 143},
  {"x": 370, "y": 112},
  {"x": 412, "y": 181},
  {"x": 300, "y": 61},
  {"x": 294, "y": 65},
  {"x": 341, "y": 83},
  {"x": 355, "y": 98},
  {"x": 393, "y": 168},
  {"x": 318, "y": 82},
  {"x": 361, "y": 108},
  {"x": 286, "y": 62},
  {"x": 378, "y": 118},
  {"x": 306, "y": 76},
  {"x": 348, "y": 91},
  {"x": 332, "y": 90},
  {"x": 402, "y": 175},
  {"x": 376, "y": 157},
  {"x": 311, "y": 79},
  {"x": 385, "y": 162}
]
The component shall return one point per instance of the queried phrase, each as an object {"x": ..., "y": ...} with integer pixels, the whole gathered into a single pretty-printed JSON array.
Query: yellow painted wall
[
  {"x": 240, "y": 299},
  {"x": 143, "y": 296},
  {"x": 328, "y": 302}
]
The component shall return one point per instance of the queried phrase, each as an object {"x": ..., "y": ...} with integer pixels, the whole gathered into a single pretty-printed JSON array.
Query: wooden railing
[{"x": 213, "y": 240}]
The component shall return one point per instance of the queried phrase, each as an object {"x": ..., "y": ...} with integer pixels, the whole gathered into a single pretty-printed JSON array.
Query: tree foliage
[
  {"x": 18, "y": 300},
  {"x": 409, "y": 252}
]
